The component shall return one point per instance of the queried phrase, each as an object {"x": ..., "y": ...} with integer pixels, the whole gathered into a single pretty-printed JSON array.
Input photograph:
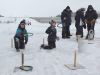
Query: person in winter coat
[
  {"x": 80, "y": 22},
  {"x": 21, "y": 37},
  {"x": 66, "y": 22},
  {"x": 51, "y": 31},
  {"x": 90, "y": 18}
]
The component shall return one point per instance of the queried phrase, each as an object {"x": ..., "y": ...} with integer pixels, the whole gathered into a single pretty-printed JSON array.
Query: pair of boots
[
  {"x": 47, "y": 46},
  {"x": 64, "y": 36}
]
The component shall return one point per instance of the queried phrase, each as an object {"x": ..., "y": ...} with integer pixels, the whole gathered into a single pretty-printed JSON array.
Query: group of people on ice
[{"x": 82, "y": 20}]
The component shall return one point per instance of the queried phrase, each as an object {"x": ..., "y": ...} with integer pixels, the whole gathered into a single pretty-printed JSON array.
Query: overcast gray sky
[{"x": 42, "y": 7}]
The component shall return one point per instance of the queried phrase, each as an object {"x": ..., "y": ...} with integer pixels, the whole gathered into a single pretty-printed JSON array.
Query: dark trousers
[
  {"x": 51, "y": 45},
  {"x": 79, "y": 31},
  {"x": 65, "y": 31},
  {"x": 89, "y": 27},
  {"x": 19, "y": 44}
]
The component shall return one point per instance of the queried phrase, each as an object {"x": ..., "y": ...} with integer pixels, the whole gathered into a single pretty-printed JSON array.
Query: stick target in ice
[{"x": 74, "y": 66}]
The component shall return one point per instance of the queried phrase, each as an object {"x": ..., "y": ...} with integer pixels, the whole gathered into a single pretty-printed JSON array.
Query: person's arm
[
  {"x": 48, "y": 30},
  {"x": 26, "y": 36},
  {"x": 83, "y": 20},
  {"x": 86, "y": 15},
  {"x": 96, "y": 15},
  {"x": 18, "y": 33}
]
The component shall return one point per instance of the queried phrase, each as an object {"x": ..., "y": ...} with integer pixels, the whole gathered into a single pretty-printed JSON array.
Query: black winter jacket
[
  {"x": 90, "y": 15},
  {"x": 51, "y": 33},
  {"x": 79, "y": 18},
  {"x": 67, "y": 15}
]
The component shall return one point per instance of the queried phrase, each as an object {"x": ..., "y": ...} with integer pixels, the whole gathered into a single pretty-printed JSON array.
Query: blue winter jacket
[{"x": 22, "y": 34}]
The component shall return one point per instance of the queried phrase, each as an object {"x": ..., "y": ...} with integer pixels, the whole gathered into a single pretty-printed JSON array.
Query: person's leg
[
  {"x": 49, "y": 46},
  {"x": 22, "y": 44},
  {"x": 92, "y": 32},
  {"x": 88, "y": 28},
  {"x": 16, "y": 42},
  {"x": 76, "y": 31},
  {"x": 54, "y": 44},
  {"x": 82, "y": 33},
  {"x": 46, "y": 46},
  {"x": 81, "y": 30},
  {"x": 63, "y": 32},
  {"x": 67, "y": 32}
]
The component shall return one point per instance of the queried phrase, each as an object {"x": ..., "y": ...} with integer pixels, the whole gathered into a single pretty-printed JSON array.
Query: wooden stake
[
  {"x": 74, "y": 66},
  {"x": 75, "y": 58},
  {"x": 11, "y": 43},
  {"x": 22, "y": 60}
]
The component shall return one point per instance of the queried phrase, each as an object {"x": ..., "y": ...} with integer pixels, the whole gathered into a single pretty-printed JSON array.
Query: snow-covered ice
[{"x": 48, "y": 62}]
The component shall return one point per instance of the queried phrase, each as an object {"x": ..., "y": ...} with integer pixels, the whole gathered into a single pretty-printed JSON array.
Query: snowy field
[{"x": 48, "y": 62}]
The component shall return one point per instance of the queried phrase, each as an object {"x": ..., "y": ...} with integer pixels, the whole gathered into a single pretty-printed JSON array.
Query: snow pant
[
  {"x": 51, "y": 45},
  {"x": 89, "y": 27},
  {"x": 19, "y": 44},
  {"x": 65, "y": 31},
  {"x": 79, "y": 31}
]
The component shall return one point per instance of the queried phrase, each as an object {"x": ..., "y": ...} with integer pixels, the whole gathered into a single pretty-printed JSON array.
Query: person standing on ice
[
  {"x": 51, "y": 31},
  {"x": 21, "y": 37},
  {"x": 90, "y": 18},
  {"x": 66, "y": 22},
  {"x": 80, "y": 22}
]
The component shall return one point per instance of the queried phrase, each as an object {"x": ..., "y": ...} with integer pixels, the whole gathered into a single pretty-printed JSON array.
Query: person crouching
[{"x": 21, "y": 37}]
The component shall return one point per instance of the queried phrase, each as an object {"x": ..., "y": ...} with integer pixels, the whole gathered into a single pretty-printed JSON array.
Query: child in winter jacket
[
  {"x": 21, "y": 37},
  {"x": 51, "y": 31}
]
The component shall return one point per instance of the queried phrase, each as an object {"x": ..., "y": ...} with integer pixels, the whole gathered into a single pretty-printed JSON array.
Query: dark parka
[
  {"x": 66, "y": 14},
  {"x": 22, "y": 35},
  {"x": 80, "y": 21},
  {"x": 90, "y": 15},
  {"x": 90, "y": 18},
  {"x": 66, "y": 22},
  {"x": 51, "y": 33}
]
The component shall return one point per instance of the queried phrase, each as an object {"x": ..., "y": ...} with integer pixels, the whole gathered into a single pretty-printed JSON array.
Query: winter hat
[
  {"x": 52, "y": 21},
  {"x": 67, "y": 7},
  {"x": 90, "y": 7},
  {"x": 23, "y": 21},
  {"x": 82, "y": 9}
]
